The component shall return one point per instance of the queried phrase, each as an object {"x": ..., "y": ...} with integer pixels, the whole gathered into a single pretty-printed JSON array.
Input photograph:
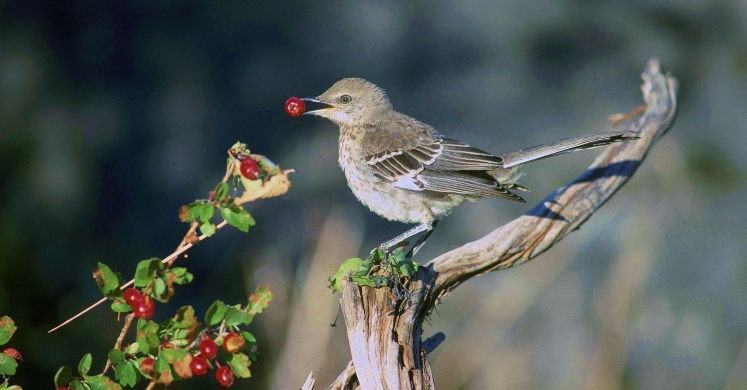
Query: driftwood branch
[{"x": 385, "y": 333}]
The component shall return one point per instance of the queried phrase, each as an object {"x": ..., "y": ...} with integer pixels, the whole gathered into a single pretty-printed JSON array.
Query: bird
[{"x": 404, "y": 170}]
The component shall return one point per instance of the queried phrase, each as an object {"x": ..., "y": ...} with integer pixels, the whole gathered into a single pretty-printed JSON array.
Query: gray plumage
[{"x": 404, "y": 170}]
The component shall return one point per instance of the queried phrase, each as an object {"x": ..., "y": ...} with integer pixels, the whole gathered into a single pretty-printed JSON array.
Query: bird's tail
[{"x": 565, "y": 146}]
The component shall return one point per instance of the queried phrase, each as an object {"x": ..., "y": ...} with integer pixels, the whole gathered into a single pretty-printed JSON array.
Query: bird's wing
[
  {"x": 432, "y": 153},
  {"x": 465, "y": 184},
  {"x": 424, "y": 161}
]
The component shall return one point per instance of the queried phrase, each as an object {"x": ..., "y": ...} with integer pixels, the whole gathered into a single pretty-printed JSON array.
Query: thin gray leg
[
  {"x": 396, "y": 240},
  {"x": 421, "y": 241}
]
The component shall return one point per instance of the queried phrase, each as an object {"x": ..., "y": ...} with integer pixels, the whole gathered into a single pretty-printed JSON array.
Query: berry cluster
[
  {"x": 208, "y": 350},
  {"x": 142, "y": 305},
  {"x": 10, "y": 357}
]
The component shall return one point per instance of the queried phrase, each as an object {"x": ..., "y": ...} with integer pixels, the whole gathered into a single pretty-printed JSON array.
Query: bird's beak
[{"x": 318, "y": 100}]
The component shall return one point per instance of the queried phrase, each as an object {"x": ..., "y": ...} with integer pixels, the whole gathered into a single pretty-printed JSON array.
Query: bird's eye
[{"x": 345, "y": 99}]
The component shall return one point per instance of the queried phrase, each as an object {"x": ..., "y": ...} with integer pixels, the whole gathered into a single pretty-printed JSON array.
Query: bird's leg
[
  {"x": 428, "y": 227},
  {"x": 421, "y": 241},
  {"x": 396, "y": 240}
]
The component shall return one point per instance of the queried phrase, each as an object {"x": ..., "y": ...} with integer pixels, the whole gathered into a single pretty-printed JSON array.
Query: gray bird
[{"x": 405, "y": 171}]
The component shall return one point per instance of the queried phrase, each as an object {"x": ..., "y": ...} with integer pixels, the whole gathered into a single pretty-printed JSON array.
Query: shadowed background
[{"x": 113, "y": 114}]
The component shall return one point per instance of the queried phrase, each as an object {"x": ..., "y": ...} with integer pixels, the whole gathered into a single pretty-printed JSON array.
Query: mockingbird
[{"x": 404, "y": 170}]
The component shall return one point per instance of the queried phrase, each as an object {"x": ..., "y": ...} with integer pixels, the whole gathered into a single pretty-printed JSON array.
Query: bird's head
[{"x": 351, "y": 101}]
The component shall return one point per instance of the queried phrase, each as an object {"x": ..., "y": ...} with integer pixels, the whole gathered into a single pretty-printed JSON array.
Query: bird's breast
[{"x": 383, "y": 197}]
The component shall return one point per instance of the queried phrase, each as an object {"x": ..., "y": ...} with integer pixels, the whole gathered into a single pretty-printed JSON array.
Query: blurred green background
[{"x": 115, "y": 113}]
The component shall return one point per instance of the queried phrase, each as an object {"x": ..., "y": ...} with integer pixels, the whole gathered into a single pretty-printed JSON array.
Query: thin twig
[
  {"x": 152, "y": 384},
  {"x": 118, "y": 344},
  {"x": 170, "y": 257}
]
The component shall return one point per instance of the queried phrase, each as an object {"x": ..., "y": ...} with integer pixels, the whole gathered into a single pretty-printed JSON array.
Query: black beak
[{"x": 327, "y": 106}]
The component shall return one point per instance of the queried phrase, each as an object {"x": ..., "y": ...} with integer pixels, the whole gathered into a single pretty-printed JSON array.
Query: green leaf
[
  {"x": 7, "y": 364},
  {"x": 236, "y": 316},
  {"x": 363, "y": 281},
  {"x": 398, "y": 256},
  {"x": 162, "y": 370},
  {"x": 100, "y": 382},
  {"x": 208, "y": 228},
  {"x": 347, "y": 266},
  {"x": 237, "y": 217},
  {"x": 207, "y": 213},
  {"x": 259, "y": 300},
  {"x": 132, "y": 348},
  {"x": 172, "y": 355},
  {"x": 63, "y": 376},
  {"x": 215, "y": 313},
  {"x": 146, "y": 270},
  {"x": 199, "y": 210},
  {"x": 85, "y": 364},
  {"x": 185, "y": 319},
  {"x": 364, "y": 268},
  {"x": 251, "y": 344},
  {"x": 147, "y": 336},
  {"x": 76, "y": 385},
  {"x": 7, "y": 328},
  {"x": 239, "y": 363},
  {"x": 159, "y": 288},
  {"x": 180, "y": 275},
  {"x": 126, "y": 374},
  {"x": 116, "y": 355},
  {"x": 378, "y": 255},
  {"x": 106, "y": 279},
  {"x": 221, "y": 191},
  {"x": 184, "y": 325},
  {"x": 120, "y": 306}
]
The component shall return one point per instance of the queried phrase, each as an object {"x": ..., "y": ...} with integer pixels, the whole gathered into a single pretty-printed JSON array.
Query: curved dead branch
[{"x": 571, "y": 205}]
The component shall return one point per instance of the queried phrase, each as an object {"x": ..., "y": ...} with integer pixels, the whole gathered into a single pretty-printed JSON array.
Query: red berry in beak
[{"x": 295, "y": 107}]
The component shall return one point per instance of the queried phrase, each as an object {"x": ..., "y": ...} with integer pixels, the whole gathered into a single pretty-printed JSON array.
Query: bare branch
[{"x": 569, "y": 206}]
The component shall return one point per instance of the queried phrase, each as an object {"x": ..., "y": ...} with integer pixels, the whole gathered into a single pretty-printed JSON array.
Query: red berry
[
  {"x": 233, "y": 342},
  {"x": 12, "y": 352},
  {"x": 132, "y": 296},
  {"x": 147, "y": 366},
  {"x": 249, "y": 168},
  {"x": 208, "y": 348},
  {"x": 198, "y": 365},
  {"x": 224, "y": 376},
  {"x": 295, "y": 107},
  {"x": 144, "y": 309}
]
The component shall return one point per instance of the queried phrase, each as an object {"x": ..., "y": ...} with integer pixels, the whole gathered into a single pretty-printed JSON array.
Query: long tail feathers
[{"x": 566, "y": 146}]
